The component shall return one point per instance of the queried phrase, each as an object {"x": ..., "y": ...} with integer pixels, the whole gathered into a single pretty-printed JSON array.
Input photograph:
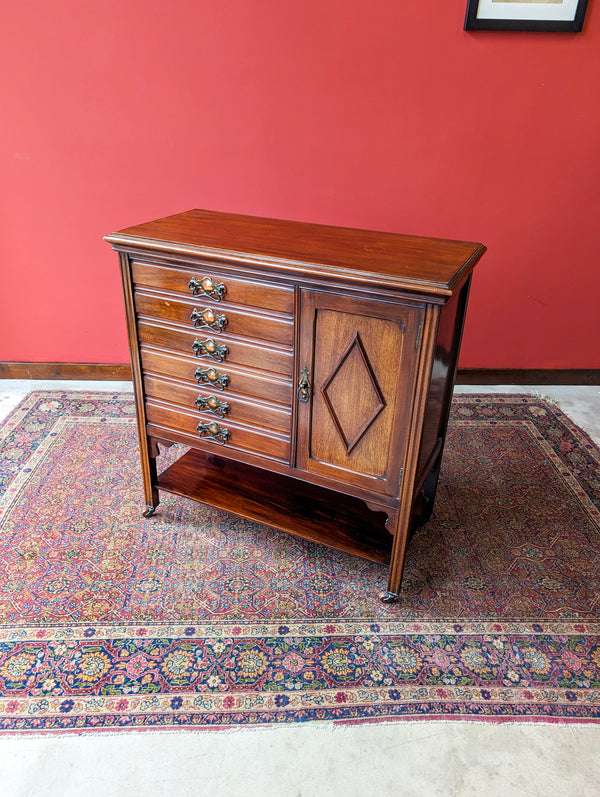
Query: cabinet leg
[
  {"x": 392, "y": 594},
  {"x": 403, "y": 518},
  {"x": 150, "y": 479}
]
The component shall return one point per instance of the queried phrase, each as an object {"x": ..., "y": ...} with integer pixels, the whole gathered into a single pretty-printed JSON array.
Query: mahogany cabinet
[{"x": 307, "y": 369}]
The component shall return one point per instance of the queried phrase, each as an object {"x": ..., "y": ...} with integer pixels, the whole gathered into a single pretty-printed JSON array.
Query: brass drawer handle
[
  {"x": 207, "y": 287},
  {"x": 214, "y": 431},
  {"x": 304, "y": 386},
  {"x": 212, "y": 377},
  {"x": 209, "y": 348},
  {"x": 208, "y": 318},
  {"x": 212, "y": 404}
]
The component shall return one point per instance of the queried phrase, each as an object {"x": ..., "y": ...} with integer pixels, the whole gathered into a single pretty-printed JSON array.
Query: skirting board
[
  {"x": 465, "y": 376},
  {"x": 80, "y": 371},
  {"x": 528, "y": 376}
]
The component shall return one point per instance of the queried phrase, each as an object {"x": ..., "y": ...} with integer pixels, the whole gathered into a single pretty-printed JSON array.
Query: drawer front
[
  {"x": 217, "y": 358},
  {"x": 206, "y": 346},
  {"x": 190, "y": 281},
  {"x": 209, "y": 317},
  {"x": 270, "y": 388},
  {"x": 226, "y": 434},
  {"x": 219, "y": 405}
]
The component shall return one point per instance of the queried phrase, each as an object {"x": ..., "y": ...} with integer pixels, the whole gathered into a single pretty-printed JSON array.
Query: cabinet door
[{"x": 360, "y": 359}]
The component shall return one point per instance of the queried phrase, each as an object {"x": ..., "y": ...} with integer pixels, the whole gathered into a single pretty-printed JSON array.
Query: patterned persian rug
[{"x": 197, "y": 618}]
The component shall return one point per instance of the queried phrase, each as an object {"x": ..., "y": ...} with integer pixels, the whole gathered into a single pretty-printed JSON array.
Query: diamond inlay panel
[{"x": 352, "y": 394}]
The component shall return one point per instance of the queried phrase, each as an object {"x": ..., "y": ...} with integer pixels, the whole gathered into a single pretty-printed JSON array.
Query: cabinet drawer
[
  {"x": 213, "y": 318},
  {"x": 244, "y": 438},
  {"x": 239, "y": 351},
  {"x": 270, "y": 388},
  {"x": 239, "y": 409},
  {"x": 248, "y": 293}
]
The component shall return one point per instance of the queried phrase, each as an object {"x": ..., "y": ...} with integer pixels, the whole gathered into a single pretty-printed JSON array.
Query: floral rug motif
[{"x": 197, "y": 618}]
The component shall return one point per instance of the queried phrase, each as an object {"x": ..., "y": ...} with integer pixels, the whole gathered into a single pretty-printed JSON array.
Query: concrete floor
[{"x": 417, "y": 758}]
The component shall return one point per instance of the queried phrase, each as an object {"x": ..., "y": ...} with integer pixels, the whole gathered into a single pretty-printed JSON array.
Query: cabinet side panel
[{"x": 443, "y": 375}]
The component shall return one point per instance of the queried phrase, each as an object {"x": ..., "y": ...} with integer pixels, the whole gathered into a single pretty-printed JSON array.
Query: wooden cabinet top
[{"x": 432, "y": 266}]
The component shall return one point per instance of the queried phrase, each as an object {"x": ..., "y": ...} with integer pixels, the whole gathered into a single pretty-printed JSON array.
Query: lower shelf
[{"x": 308, "y": 511}]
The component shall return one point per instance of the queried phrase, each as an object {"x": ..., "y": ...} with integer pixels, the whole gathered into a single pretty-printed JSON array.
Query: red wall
[{"x": 383, "y": 114}]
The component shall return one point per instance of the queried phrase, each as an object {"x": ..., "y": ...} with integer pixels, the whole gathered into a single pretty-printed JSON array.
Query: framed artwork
[{"x": 543, "y": 15}]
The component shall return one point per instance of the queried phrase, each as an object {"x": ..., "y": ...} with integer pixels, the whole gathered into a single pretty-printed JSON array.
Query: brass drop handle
[
  {"x": 207, "y": 286},
  {"x": 208, "y": 318},
  {"x": 212, "y": 404},
  {"x": 212, "y": 377},
  {"x": 208, "y": 348},
  {"x": 304, "y": 386},
  {"x": 214, "y": 431}
]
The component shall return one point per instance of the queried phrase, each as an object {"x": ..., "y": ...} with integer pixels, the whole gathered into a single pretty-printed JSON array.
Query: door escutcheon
[{"x": 304, "y": 386}]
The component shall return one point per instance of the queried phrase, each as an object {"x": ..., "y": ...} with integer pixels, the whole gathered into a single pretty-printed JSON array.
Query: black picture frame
[{"x": 575, "y": 25}]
